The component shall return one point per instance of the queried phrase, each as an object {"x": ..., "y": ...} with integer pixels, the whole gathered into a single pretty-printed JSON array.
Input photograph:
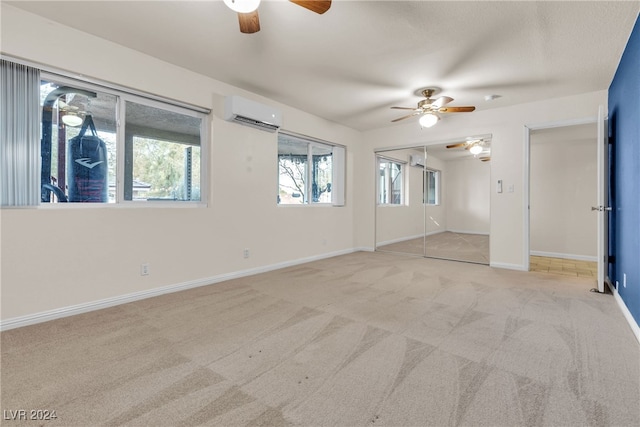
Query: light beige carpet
[
  {"x": 446, "y": 245},
  {"x": 358, "y": 340}
]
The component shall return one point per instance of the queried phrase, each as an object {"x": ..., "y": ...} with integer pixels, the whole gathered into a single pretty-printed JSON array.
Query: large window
[
  {"x": 432, "y": 190},
  {"x": 309, "y": 171},
  {"x": 108, "y": 146},
  {"x": 390, "y": 182}
]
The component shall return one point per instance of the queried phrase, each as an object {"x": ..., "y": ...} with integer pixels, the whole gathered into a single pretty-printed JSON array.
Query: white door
[{"x": 602, "y": 209}]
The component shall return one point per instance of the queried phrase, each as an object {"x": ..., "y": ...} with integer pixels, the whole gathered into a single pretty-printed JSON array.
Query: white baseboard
[
  {"x": 58, "y": 313},
  {"x": 564, "y": 256},
  {"x": 481, "y": 233},
  {"x": 635, "y": 328},
  {"x": 518, "y": 267}
]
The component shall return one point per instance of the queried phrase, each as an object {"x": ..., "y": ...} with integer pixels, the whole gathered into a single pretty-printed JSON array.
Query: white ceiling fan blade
[{"x": 443, "y": 100}]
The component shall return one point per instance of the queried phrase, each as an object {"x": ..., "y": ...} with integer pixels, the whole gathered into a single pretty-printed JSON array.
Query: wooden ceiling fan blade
[
  {"x": 249, "y": 22},
  {"x": 403, "y": 108},
  {"x": 461, "y": 144},
  {"x": 456, "y": 109},
  {"x": 443, "y": 100},
  {"x": 485, "y": 159},
  {"x": 317, "y": 6},
  {"x": 404, "y": 117}
]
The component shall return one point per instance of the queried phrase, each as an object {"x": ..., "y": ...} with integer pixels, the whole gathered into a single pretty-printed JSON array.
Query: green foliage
[{"x": 162, "y": 165}]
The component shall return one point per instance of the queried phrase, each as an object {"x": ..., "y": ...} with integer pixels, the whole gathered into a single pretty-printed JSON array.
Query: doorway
[
  {"x": 433, "y": 201},
  {"x": 563, "y": 183}
]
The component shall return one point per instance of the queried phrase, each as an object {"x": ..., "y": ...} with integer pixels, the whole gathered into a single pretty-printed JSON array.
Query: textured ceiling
[{"x": 362, "y": 57}]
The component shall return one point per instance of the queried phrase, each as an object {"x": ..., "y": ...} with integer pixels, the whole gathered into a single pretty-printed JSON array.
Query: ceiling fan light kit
[
  {"x": 72, "y": 119},
  {"x": 428, "y": 108},
  {"x": 479, "y": 148},
  {"x": 428, "y": 119},
  {"x": 475, "y": 149},
  {"x": 242, "y": 6}
]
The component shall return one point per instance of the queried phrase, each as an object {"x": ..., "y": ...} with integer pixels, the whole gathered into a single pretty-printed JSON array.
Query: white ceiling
[{"x": 362, "y": 57}]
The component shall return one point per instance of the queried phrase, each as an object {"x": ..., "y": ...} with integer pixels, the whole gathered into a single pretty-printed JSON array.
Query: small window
[
  {"x": 309, "y": 171},
  {"x": 390, "y": 182},
  {"x": 432, "y": 190}
]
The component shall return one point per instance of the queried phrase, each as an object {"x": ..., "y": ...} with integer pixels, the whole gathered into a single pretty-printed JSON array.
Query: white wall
[
  {"x": 563, "y": 189},
  {"x": 46, "y": 266},
  {"x": 467, "y": 190}
]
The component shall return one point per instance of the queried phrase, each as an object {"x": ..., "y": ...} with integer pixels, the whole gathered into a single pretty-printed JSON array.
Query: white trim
[
  {"x": 564, "y": 123},
  {"x": 506, "y": 266},
  {"x": 421, "y": 143},
  {"x": 635, "y": 328},
  {"x": 526, "y": 196},
  {"x": 58, "y": 313},
  {"x": 528, "y": 128},
  {"x": 565, "y": 256}
]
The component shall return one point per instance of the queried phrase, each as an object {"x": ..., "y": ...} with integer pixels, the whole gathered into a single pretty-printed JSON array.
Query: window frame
[
  {"x": 403, "y": 172},
  {"x": 437, "y": 176},
  {"x": 338, "y": 171},
  {"x": 124, "y": 95}
]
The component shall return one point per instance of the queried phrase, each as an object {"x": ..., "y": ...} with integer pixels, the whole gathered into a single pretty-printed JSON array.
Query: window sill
[
  {"x": 124, "y": 205},
  {"x": 307, "y": 205}
]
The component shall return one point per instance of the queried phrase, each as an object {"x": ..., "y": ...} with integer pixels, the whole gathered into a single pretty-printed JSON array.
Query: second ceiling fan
[
  {"x": 479, "y": 147},
  {"x": 248, "y": 11},
  {"x": 429, "y": 107}
]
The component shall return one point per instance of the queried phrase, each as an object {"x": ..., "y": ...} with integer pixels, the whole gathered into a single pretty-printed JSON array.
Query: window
[
  {"x": 162, "y": 154},
  {"x": 309, "y": 171},
  {"x": 432, "y": 190},
  {"x": 106, "y": 146},
  {"x": 390, "y": 182}
]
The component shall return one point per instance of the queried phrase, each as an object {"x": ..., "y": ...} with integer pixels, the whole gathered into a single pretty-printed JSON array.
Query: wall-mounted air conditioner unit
[
  {"x": 416, "y": 160},
  {"x": 251, "y": 113}
]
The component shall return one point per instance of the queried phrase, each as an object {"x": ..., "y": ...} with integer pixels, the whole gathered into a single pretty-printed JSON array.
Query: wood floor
[{"x": 565, "y": 267}]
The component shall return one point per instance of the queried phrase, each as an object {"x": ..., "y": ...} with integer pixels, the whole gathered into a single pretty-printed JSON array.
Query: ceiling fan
[
  {"x": 477, "y": 147},
  {"x": 248, "y": 11},
  {"x": 429, "y": 107}
]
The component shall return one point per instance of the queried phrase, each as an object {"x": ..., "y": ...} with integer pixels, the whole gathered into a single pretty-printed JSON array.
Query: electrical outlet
[
  {"x": 245, "y": 253},
  {"x": 144, "y": 269}
]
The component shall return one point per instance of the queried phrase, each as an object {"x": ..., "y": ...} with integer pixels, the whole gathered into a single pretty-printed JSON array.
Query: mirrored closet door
[
  {"x": 434, "y": 200},
  {"x": 399, "y": 196}
]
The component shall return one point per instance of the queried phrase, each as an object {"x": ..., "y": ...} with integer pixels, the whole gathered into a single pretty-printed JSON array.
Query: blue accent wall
[{"x": 624, "y": 133}]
